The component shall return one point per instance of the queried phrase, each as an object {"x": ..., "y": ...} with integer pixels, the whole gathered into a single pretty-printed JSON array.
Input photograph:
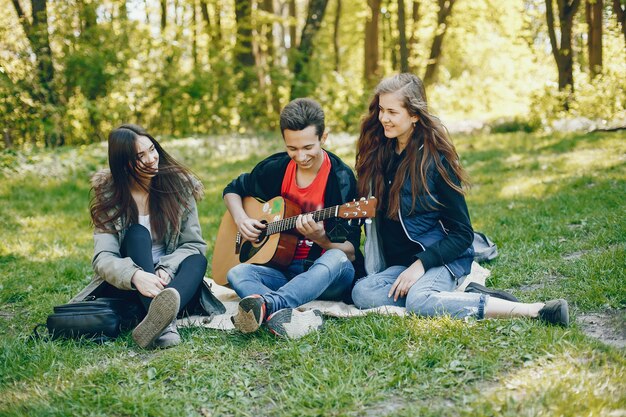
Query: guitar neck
[{"x": 289, "y": 223}]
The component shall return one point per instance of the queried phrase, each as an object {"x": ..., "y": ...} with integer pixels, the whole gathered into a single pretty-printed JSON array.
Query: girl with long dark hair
[
  {"x": 419, "y": 246},
  {"x": 148, "y": 244}
]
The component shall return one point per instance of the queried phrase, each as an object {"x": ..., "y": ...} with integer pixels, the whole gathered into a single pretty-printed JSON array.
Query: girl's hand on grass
[
  {"x": 148, "y": 284},
  {"x": 406, "y": 280}
]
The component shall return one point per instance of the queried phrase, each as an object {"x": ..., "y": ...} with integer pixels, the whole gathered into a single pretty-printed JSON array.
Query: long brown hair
[
  {"x": 374, "y": 150},
  {"x": 169, "y": 190}
]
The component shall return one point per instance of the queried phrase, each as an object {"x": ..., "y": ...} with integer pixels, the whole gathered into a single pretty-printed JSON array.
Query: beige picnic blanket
[{"x": 329, "y": 308}]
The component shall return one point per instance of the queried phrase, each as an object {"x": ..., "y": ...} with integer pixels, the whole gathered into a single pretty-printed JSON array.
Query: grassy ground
[{"x": 554, "y": 204}]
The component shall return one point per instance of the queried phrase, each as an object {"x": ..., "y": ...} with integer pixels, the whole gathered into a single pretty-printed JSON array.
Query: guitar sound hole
[{"x": 249, "y": 249}]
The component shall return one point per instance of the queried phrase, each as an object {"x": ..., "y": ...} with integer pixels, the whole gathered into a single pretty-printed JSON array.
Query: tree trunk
[
  {"x": 244, "y": 55},
  {"x": 208, "y": 27},
  {"x": 147, "y": 8},
  {"x": 593, "y": 13},
  {"x": 8, "y": 142},
  {"x": 243, "y": 46},
  {"x": 194, "y": 35},
  {"x": 620, "y": 14},
  {"x": 415, "y": 16},
  {"x": 37, "y": 34},
  {"x": 445, "y": 10},
  {"x": 371, "y": 44},
  {"x": 302, "y": 84},
  {"x": 390, "y": 43},
  {"x": 267, "y": 57},
  {"x": 123, "y": 10},
  {"x": 268, "y": 7},
  {"x": 563, "y": 52},
  {"x": 163, "y": 15},
  {"x": 336, "y": 29},
  {"x": 293, "y": 42},
  {"x": 218, "y": 23},
  {"x": 404, "y": 53}
]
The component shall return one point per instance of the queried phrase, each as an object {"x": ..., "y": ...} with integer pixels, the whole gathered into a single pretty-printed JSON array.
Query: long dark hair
[
  {"x": 169, "y": 190},
  {"x": 374, "y": 150}
]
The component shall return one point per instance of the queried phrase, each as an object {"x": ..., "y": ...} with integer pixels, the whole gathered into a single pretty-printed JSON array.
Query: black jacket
[{"x": 265, "y": 181}]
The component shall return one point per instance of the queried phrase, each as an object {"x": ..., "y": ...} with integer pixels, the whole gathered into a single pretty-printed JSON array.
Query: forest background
[{"x": 72, "y": 70}]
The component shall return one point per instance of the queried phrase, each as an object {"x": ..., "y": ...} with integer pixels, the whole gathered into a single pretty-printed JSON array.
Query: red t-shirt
[{"x": 310, "y": 198}]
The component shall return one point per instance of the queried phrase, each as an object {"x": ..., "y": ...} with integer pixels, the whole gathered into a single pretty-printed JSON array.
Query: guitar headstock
[{"x": 365, "y": 207}]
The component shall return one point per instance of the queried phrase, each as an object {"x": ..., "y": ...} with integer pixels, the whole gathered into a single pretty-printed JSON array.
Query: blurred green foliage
[{"x": 114, "y": 63}]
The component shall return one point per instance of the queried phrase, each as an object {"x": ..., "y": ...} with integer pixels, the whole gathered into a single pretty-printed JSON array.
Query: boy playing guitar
[{"x": 327, "y": 252}]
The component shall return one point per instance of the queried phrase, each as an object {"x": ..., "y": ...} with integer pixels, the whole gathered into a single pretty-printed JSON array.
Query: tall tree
[
  {"x": 371, "y": 73},
  {"x": 336, "y": 29},
  {"x": 415, "y": 17},
  {"x": 163, "y": 15},
  {"x": 302, "y": 84},
  {"x": 244, "y": 55},
  {"x": 37, "y": 35},
  {"x": 562, "y": 50},
  {"x": 267, "y": 56},
  {"x": 620, "y": 13},
  {"x": 293, "y": 25},
  {"x": 593, "y": 12},
  {"x": 194, "y": 34},
  {"x": 445, "y": 10},
  {"x": 404, "y": 53},
  {"x": 208, "y": 27}
]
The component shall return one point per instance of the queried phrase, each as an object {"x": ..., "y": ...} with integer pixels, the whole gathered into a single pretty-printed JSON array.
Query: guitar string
[{"x": 289, "y": 223}]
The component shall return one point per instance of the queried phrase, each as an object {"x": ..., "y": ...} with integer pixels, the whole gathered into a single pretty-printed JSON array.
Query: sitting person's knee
[
  {"x": 235, "y": 274},
  {"x": 334, "y": 258},
  {"x": 361, "y": 294},
  {"x": 421, "y": 303},
  {"x": 200, "y": 259}
]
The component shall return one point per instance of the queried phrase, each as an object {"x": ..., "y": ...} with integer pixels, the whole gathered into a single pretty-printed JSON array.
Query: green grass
[{"x": 553, "y": 204}]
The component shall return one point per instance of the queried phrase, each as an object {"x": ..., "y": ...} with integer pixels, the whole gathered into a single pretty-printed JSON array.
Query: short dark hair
[{"x": 300, "y": 114}]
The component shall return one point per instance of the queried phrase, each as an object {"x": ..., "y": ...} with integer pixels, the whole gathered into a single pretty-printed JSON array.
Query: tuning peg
[
  {"x": 363, "y": 198},
  {"x": 368, "y": 221}
]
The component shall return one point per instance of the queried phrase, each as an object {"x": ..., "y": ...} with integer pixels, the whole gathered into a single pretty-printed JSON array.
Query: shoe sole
[
  {"x": 162, "y": 311},
  {"x": 294, "y": 324},
  {"x": 481, "y": 289},
  {"x": 246, "y": 320}
]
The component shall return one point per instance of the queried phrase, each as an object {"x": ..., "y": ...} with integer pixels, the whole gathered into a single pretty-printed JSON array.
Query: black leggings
[{"x": 137, "y": 245}]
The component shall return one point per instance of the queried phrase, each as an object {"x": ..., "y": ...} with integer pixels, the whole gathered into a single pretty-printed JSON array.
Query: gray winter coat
[{"x": 110, "y": 266}]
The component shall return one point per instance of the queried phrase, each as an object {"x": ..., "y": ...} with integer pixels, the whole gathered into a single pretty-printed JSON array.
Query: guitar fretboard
[{"x": 289, "y": 223}]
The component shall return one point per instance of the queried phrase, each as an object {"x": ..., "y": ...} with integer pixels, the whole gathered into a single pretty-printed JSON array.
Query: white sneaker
[{"x": 294, "y": 324}]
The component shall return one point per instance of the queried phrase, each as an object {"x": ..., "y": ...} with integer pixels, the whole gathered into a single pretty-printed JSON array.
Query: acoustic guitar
[{"x": 277, "y": 243}]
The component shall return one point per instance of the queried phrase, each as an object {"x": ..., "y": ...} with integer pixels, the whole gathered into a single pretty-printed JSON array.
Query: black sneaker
[
  {"x": 250, "y": 314},
  {"x": 555, "y": 312},
  {"x": 294, "y": 324},
  {"x": 481, "y": 289}
]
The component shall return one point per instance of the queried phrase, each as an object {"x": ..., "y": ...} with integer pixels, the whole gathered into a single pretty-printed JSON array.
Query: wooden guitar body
[
  {"x": 277, "y": 243},
  {"x": 274, "y": 250}
]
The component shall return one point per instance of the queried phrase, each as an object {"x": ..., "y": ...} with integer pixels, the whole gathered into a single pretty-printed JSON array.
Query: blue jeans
[
  {"x": 328, "y": 278},
  {"x": 432, "y": 295}
]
